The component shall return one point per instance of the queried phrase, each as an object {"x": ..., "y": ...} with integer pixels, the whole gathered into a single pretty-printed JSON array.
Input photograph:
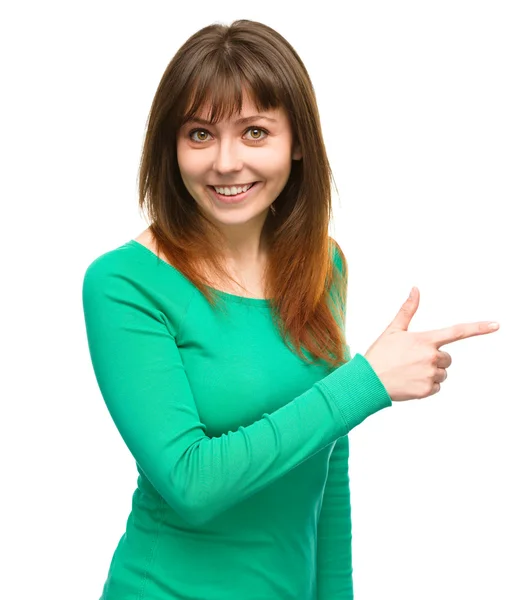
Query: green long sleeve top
[{"x": 241, "y": 447}]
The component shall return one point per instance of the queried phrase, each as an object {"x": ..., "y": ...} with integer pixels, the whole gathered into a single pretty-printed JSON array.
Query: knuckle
[
  {"x": 427, "y": 389},
  {"x": 430, "y": 357},
  {"x": 405, "y": 310}
]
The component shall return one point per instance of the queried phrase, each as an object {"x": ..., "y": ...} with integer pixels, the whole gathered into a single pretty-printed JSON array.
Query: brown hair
[{"x": 214, "y": 67}]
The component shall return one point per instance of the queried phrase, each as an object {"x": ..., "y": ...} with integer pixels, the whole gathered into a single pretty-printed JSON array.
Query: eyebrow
[{"x": 238, "y": 122}]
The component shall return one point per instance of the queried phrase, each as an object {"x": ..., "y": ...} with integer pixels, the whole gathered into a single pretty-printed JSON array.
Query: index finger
[{"x": 440, "y": 337}]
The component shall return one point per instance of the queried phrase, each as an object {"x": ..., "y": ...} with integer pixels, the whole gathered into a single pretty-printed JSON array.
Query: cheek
[
  {"x": 188, "y": 162},
  {"x": 276, "y": 162}
]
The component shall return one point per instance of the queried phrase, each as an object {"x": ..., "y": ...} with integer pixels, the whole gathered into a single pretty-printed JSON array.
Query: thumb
[{"x": 406, "y": 313}]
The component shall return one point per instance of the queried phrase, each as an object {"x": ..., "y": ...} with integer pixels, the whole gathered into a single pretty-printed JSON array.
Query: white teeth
[{"x": 232, "y": 191}]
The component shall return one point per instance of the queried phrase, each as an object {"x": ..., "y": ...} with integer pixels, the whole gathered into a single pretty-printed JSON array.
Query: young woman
[{"x": 217, "y": 338}]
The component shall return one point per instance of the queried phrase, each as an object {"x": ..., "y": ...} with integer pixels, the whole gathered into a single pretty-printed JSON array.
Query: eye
[
  {"x": 259, "y": 137},
  {"x": 198, "y": 131}
]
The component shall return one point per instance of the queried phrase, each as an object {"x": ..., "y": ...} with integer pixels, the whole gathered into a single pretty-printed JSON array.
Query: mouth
[{"x": 234, "y": 198}]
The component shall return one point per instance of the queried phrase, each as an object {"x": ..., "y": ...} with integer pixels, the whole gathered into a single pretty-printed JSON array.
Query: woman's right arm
[{"x": 142, "y": 379}]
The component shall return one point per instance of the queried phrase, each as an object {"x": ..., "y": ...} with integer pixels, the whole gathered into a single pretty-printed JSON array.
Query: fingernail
[{"x": 493, "y": 326}]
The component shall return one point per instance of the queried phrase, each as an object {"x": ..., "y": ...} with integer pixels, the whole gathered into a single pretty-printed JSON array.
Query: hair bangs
[{"x": 220, "y": 88}]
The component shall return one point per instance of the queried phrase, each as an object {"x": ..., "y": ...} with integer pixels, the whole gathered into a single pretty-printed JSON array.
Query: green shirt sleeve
[{"x": 142, "y": 379}]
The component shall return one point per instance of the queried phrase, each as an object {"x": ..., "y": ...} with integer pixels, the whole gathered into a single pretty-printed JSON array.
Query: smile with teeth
[{"x": 233, "y": 191}]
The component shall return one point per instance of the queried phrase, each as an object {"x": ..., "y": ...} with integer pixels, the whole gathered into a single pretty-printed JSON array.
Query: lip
[{"x": 234, "y": 199}]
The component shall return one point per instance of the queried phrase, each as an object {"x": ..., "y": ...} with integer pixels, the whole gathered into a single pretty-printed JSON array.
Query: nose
[{"x": 228, "y": 157}]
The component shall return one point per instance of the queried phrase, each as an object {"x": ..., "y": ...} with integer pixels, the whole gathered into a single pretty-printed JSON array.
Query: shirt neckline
[{"x": 227, "y": 296}]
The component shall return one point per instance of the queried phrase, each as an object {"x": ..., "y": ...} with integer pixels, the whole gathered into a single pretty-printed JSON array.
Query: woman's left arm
[{"x": 334, "y": 554}]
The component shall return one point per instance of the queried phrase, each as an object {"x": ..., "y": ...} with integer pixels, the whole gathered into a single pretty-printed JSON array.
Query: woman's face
[{"x": 235, "y": 153}]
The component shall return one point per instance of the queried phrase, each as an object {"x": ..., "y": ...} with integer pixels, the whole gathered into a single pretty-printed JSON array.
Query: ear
[{"x": 296, "y": 152}]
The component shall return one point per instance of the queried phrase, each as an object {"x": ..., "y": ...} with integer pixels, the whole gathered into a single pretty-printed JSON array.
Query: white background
[{"x": 423, "y": 112}]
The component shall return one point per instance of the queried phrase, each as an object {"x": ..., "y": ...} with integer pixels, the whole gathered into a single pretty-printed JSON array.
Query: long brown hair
[{"x": 215, "y": 66}]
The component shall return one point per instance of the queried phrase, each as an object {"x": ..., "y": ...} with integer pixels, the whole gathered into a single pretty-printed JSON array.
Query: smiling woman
[{"x": 237, "y": 419}]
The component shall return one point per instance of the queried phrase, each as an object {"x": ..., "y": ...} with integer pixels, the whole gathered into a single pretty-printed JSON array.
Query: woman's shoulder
[
  {"x": 119, "y": 260},
  {"x": 338, "y": 256}
]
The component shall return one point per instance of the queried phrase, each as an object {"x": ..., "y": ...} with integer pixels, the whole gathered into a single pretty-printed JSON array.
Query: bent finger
[{"x": 444, "y": 359}]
